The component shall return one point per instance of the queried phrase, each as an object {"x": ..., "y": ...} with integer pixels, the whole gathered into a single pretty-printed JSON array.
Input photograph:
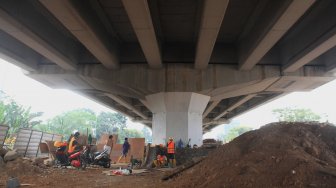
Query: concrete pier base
[{"x": 177, "y": 115}]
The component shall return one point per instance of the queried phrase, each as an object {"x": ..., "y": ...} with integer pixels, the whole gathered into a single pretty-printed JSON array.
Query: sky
[{"x": 52, "y": 102}]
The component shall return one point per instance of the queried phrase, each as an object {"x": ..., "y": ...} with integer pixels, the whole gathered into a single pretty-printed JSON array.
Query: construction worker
[
  {"x": 109, "y": 145},
  {"x": 161, "y": 159},
  {"x": 171, "y": 152},
  {"x": 73, "y": 144},
  {"x": 126, "y": 147}
]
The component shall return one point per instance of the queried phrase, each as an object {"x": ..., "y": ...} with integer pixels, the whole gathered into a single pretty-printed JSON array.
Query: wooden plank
[
  {"x": 137, "y": 150},
  {"x": 182, "y": 168}
]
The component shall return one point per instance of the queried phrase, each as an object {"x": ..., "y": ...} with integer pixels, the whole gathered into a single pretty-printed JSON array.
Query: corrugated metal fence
[
  {"x": 28, "y": 141},
  {"x": 3, "y": 134}
]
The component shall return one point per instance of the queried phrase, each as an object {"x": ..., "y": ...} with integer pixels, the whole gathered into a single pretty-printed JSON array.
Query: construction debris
[
  {"x": 182, "y": 168},
  {"x": 49, "y": 162},
  {"x": 11, "y": 155},
  {"x": 118, "y": 172}
]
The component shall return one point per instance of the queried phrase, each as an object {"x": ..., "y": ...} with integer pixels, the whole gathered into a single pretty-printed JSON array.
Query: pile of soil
[
  {"x": 21, "y": 166},
  {"x": 278, "y": 154},
  {"x": 184, "y": 155}
]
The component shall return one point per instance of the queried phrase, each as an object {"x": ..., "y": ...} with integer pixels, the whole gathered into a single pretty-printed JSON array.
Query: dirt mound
[
  {"x": 184, "y": 155},
  {"x": 22, "y": 166},
  {"x": 276, "y": 155}
]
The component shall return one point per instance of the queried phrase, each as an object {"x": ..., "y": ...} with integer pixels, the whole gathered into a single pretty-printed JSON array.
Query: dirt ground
[
  {"x": 276, "y": 155},
  {"x": 55, "y": 177}
]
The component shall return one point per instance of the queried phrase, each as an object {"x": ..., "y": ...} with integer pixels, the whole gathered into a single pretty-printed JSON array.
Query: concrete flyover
[{"x": 179, "y": 66}]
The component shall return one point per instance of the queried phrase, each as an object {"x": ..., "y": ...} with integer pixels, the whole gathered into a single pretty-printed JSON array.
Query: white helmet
[{"x": 76, "y": 133}]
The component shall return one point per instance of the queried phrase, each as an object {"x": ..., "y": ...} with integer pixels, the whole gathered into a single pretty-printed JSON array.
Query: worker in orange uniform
[
  {"x": 73, "y": 144},
  {"x": 171, "y": 152},
  {"x": 161, "y": 159}
]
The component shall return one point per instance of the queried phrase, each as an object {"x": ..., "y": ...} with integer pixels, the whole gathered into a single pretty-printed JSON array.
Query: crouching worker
[
  {"x": 61, "y": 152},
  {"x": 161, "y": 159}
]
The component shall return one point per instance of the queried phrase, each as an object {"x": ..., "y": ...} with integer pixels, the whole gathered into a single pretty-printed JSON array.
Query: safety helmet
[
  {"x": 170, "y": 138},
  {"x": 58, "y": 143},
  {"x": 76, "y": 133}
]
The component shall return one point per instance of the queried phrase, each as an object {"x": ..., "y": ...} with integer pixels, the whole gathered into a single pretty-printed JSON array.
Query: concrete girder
[
  {"x": 109, "y": 103},
  {"x": 144, "y": 102},
  {"x": 141, "y": 20},
  {"x": 23, "y": 34},
  {"x": 213, "y": 14},
  {"x": 243, "y": 89},
  {"x": 61, "y": 80},
  {"x": 210, "y": 108},
  {"x": 146, "y": 121},
  {"x": 26, "y": 64},
  {"x": 177, "y": 77},
  {"x": 127, "y": 105},
  {"x": 87, "y": 33},
  {"x": 235, "y": 105},
  {"x": 296, "y": 83},
  {"x": 296, "y": 49},
  {"x": 113, "y": 88},
  {"x": 208, "y": 122},
  {"x": 272, "y": 33},
  {"x": 217, "y": 81},
  {"x": 324, "y": 44}
]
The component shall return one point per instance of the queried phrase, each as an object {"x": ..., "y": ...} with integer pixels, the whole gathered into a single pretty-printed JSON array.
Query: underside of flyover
[{"x": 238, "y": 53}]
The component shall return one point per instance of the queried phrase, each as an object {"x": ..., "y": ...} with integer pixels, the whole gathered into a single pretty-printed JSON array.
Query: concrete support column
[{"x": 177, "y": 115}]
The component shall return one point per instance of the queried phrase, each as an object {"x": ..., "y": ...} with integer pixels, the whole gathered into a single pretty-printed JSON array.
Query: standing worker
[
  {"x": 126, "y": 148},
  {"x": 109, "y": 145},
  {"x": 171, "y": 152}
]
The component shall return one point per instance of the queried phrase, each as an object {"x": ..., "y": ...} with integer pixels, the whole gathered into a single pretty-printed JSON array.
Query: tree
[
  {"x": 16, "y": 116},
  {"x": 64, "y": 124},
  {"x": 235, "y": 132},
  {"x": 232, "y": 131},
  {"x": 295, "y": 115},
  {"x": 129, "y": 133},
  {"x": 108, "y": 122}
]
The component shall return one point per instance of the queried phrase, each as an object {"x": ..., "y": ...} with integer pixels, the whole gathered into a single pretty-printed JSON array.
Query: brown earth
[
  {"x": 91, "y": 177},
  {"x": 276, "y": 155}
]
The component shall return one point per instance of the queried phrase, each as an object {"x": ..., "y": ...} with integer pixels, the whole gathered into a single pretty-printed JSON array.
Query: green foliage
[
  {"x": 108, "y": 122},
  {"x": 64, "y": 124},
  {"x": 129, "y": 133},
  {"x": 16, "y": 116},
  {"x": 233, "y": 133},
  {"x": 236, "y": 131},
  {"x": 85, "y": 119},
  {"x": 295, "y": 115}
]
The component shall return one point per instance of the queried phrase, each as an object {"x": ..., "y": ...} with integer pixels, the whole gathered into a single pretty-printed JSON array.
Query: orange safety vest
[
  {"x": 71, "y": 146},
  {"x": 171, "y": 147}
]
